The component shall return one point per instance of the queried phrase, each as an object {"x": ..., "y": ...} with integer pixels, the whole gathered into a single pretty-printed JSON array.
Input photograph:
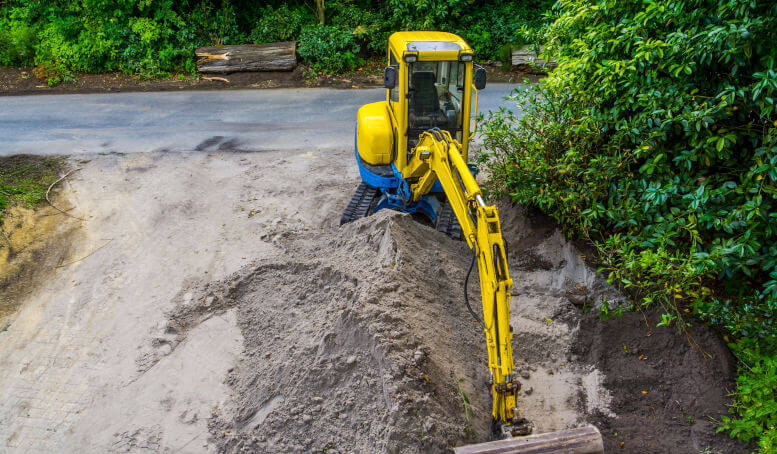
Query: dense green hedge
[
  {"x": 154, "y": 37},
  {"x": 656, "y": 138}
]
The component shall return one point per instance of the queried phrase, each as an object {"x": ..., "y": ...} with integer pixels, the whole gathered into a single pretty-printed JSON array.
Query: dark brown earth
[
  {"x": 668, "y": 388},
  {"x": 22, "y": 81},
  {"x": 687, "y": 378}
]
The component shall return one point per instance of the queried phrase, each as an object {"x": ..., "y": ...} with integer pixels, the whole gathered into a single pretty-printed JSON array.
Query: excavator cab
[{"x": 430, "y": 81}]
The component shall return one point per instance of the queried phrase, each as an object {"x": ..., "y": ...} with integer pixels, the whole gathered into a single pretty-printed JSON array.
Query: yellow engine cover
[{"x": 374, "y": 136}]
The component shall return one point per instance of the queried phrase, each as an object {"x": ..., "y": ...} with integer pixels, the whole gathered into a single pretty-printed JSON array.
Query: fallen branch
[
  {"x": 220, "y": 79},
  {"x": 86, "y": 256},
  {"x": 56, "y": 207}
]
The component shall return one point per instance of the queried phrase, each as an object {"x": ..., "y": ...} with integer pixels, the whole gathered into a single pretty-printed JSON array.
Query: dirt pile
[
  {"x": 357, "y": 340},
  {"x": 340, "y": 354}
]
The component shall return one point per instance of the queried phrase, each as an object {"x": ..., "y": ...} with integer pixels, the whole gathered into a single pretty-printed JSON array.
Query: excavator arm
[{"x": 438, "y": 157}]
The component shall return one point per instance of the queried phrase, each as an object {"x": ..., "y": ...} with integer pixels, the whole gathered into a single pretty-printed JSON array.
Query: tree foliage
[
  {"x": 153, "y": 37},
  {"x": 656, "y": 138}
]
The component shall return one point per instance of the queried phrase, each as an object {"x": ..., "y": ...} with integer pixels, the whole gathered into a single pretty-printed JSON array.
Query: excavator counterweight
[{"x": 412, "y": 150}]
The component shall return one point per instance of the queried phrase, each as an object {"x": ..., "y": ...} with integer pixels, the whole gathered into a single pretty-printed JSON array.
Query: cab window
[{"x": 435, "y": 94}]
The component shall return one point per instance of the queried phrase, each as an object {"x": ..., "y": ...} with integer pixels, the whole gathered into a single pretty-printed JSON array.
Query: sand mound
[{"x": 354, "y": 342}]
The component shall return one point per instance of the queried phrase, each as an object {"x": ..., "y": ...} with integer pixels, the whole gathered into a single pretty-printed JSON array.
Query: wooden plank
[
  {"x": 525, "y": 56},
  {"x": 582, "y": 440},
  {"x": 248, "y": 57}
]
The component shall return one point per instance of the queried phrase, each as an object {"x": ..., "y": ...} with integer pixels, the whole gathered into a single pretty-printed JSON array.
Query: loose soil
[
  {"x": 668, "y": 388},
  {"x": 35, "y": 242},
  {"x": 21, "y": 81}
]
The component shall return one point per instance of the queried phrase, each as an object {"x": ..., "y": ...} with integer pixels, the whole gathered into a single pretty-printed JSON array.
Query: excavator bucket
[{"x": 582, "y": 440}]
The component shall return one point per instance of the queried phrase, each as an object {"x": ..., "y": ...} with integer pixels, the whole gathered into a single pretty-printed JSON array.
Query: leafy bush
[
  {"x": 489, "y": 30},
  {"x": 369, "y": 26},
  {"x": 332, "y": 49},
  {"x": 656, "y": 138},
  {"x": 17, "y": 43},
  {"x": 281, "y": 24},
  {"x": 53, "y": 74},
  {"x": 756, "y": 402},
  {"x": 215, "y": 25}
]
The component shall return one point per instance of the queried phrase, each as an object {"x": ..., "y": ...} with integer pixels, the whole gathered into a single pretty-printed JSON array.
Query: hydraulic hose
[{"x": 466, "y": 281}]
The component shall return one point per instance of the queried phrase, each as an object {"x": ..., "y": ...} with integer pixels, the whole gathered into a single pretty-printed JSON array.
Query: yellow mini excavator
[{"x": 412, "y": 150}]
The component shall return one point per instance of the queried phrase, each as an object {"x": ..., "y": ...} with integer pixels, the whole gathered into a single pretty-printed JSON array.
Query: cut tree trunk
[
  {"x": 248, "y": 57},
  {"x": 524, "y": 56},
  {"x": 583, "y": 440}
]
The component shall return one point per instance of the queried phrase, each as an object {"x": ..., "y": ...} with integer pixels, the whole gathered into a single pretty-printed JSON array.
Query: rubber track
[
  {"x": 360, "y": 203},
  {"x": 448, "y": 224}
]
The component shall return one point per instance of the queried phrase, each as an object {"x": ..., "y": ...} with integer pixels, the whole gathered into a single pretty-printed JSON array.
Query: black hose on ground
[{"x": 466, "y": 299}]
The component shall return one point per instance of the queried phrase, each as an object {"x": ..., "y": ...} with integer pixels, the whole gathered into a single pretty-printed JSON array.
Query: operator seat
[{"x": 425, "y": 99}]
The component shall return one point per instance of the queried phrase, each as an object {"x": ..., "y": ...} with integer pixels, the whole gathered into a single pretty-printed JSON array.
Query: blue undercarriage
[{"x": 395, "y": 192}]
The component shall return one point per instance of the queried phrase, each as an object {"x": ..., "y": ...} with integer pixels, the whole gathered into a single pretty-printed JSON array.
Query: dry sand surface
[{"x": 211, "y": 303}]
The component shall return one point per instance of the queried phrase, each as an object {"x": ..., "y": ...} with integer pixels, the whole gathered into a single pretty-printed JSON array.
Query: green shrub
[
  {"x": 155, "y": 37},
  {"x": 215, "y": 25},
  {"x": 53, "y": 74},
  {"x": 369, "y": 25},
  {"x": 17, "y": 43},
  {"x": 281, "y": 24},
  {"x": 656, "y": 139},
  {"x": 488, "y": 30},
  {"x": 756, "y": 402},
  {"x": 332, "y": 49}
]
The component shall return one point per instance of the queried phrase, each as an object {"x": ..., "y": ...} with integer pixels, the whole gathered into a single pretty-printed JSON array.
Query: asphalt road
[{"x": 250, "y": 120}]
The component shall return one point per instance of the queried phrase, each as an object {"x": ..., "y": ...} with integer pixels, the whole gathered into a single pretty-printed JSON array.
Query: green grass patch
[{"x": 24, "y": 179}]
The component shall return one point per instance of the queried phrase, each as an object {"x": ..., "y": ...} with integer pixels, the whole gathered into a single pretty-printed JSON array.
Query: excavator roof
[{"x": 445, "y": 45}]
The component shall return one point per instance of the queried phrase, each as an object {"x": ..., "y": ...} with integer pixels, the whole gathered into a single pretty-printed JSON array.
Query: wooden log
[
  {"x": 248, "y": 57},
  {"x": 583, "y": 440},
  {"x": 525, "y": 56}
]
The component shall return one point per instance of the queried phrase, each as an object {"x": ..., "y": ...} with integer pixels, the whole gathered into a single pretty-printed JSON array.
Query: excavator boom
[{"x": 437, "y": 157}]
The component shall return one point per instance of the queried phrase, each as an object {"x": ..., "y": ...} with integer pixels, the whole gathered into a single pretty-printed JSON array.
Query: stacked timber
[{"x": 248, "y": 57}]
